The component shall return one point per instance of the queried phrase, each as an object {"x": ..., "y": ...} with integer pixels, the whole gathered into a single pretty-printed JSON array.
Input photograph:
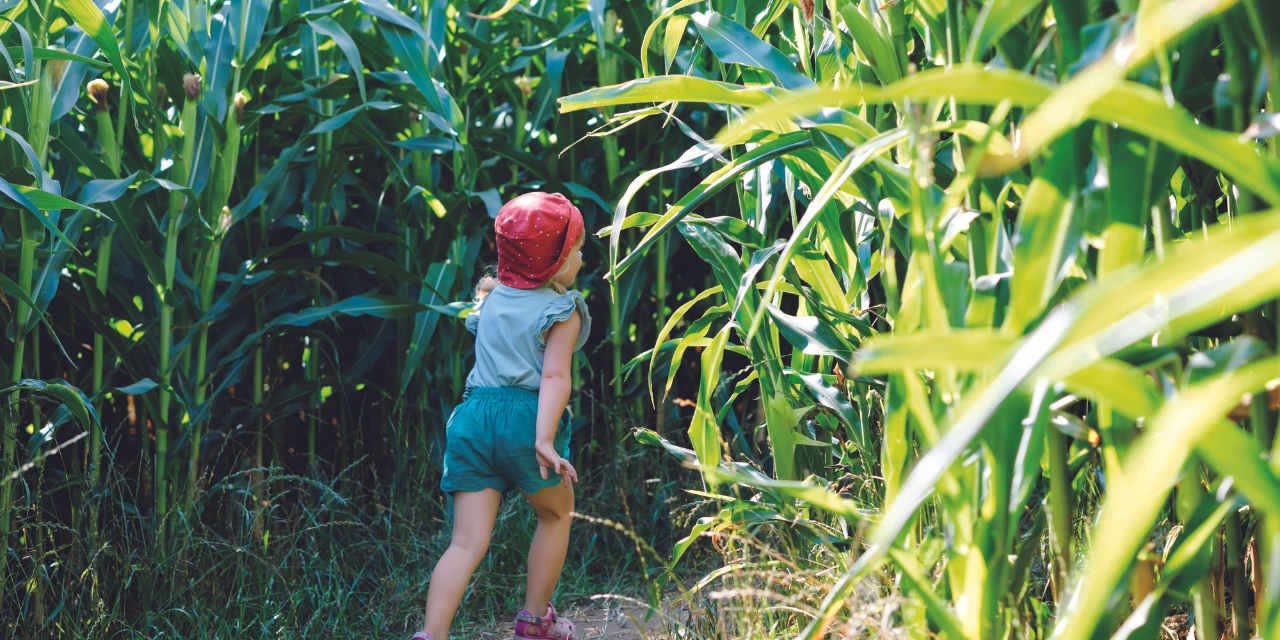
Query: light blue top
[{"x": 511, "y": 334}]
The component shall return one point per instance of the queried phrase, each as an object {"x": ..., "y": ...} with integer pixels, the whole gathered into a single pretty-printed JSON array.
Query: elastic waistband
[{"x": 505, "y": 394}]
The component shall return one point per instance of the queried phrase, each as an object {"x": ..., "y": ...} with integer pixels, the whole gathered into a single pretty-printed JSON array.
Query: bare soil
[{"x": 611, "y": 618}]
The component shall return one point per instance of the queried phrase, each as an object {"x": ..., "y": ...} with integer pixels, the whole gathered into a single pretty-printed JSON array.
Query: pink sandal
[
  {"x": 422, "y": 635},
  {"x": 548, "y": 627}
]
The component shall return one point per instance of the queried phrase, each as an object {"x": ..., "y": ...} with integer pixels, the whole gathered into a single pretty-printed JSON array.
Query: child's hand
[{"x": 549, "y": 458}]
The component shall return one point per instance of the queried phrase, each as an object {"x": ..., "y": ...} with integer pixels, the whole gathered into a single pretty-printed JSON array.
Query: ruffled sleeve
[
  {"x": 559, "y": 310},
  {"x": 472, "y": 321}
]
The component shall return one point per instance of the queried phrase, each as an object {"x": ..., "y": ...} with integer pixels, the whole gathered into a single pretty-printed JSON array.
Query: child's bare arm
[{"x": 557, "y": 384}]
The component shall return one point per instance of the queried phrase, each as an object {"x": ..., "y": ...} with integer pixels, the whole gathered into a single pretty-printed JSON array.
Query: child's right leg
[{"x": 473, "y": 516}]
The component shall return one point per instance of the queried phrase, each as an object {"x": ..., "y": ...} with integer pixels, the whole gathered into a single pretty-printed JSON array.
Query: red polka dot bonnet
[{"x": 535, "y": 233}]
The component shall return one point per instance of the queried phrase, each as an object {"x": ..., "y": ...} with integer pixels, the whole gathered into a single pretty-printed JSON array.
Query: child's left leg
[{"x": 473, "y": 516}]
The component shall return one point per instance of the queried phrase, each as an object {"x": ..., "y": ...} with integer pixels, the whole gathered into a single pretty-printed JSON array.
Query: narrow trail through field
[{"x": 610, "y": 619}]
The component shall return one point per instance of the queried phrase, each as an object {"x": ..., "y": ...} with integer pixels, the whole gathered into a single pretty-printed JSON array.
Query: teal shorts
[{"x": 490, "y": 442}]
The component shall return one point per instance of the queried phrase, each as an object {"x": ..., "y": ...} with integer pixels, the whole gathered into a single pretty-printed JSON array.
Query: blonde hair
[{"x": 487, "y": 283}]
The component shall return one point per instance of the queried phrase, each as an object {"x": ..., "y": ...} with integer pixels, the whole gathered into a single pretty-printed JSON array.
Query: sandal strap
[
  {"x": 560, "y": 628},
  {"x": 526, "y": 616},
  {"x": 563, "y": 629},
  {"x": 551, "y": 624}
]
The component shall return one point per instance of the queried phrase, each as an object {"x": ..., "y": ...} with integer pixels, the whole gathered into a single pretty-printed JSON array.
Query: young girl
[{"x": 512, "y": 427}]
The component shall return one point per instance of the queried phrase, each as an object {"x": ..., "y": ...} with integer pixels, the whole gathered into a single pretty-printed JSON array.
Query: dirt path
[{"x": 609, "y": 618}]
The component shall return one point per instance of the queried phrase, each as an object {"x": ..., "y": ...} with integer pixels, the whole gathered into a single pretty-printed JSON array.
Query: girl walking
[{"x": 512, "y": 429}]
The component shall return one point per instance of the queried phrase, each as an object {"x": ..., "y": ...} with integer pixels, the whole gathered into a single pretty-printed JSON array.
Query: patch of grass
[{"x": 291, "y": 556}]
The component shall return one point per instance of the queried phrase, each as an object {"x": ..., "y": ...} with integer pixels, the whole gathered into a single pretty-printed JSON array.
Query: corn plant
[{"x": 1027, "y": 245}]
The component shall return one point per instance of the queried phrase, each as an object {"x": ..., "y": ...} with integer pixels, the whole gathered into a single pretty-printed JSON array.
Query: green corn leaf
[
  {"x": 132, "y": 238},
  {"x": 428, "y": 143},
  {"x": 741, "y": 386},
  {"x": 969, "y": 84},
  {"x": 874, "y": 44},
  {"x": 653, "y": 28},
  {"x": 996, "y": 19},
  {"x": 676, "y": 318},
  {"x": 631, "y": 221},
  {"x": 914, "y": 579},
  {"x": 694, "y": 335},
  {"x": 548, "y": 88},
  {"x": 651, "y": 438},
  {"x": 1228, "y": 290},
  {"x": 19, "y": 197},
  {"x": 1174, "y": 299},
  {"x": 781, "y": 420},
  {"x": 1128, "y": 104},
  {"x": 718, "y": 180},
  {"x": 51, "y": 201},
  {"x": 813, "y": 494},
  {"x": 439, "y": 281},
  {"x": 42, "y": 53},
  {"x": 1187, "y": 561},
  {"x": 110, "y": 190},
  {"x": 26, "y": 50},
  {"x": 732, "y": 229},
  {"x": 12, "y": 288},
  {"x": 735, "y": 44},
  {"x": 48, "y": 276},
  {"x": 758, "y": 260},
  {"x": 704, "y": 431},
  {"x": 337, "y": 122},
  {"x": 258, "y": 194},
  {"x": 703, "y": 525},
  {"x": 380, "y": 306},
  {"x": 1125, "y": 387},
  {"x": 595, "y": 14},
  {"x": 937, "y": 460},
  {"x": 851, "y": 164},
  {"x": 248, "y": 21},
  {"x": 407, "y": 41},
  {"x": 670, "y": 88},
  {"x": 383, "y": 10},
  {"x": 366, "y": 259},
  {"x": 1186, "y": 564},
  {"x": 813, "y": 268},
  {"x": 1150, "y": 470},
  {"x": 723, "y": 258},
  {"x": 1142, "y": 109},
  {"x": 327, "y": 26},
  {"x": 71, "y": 397},
  {"x": 89, "y": 18},
  {"x": 1236, "y": 454},
  {"x": 502, "y": 11},
  {"x": 694, "y": 156},
  {"x": 328, "y": 232},
  {"x": 179, "y": 29},
  {"x": 1044, "y": 229},
  {"x": 811, "y": 335},
  {"x": 671, "y": 41},
  {"x": 962, "y": 349},
  {"x": 138, "y": 388},
  {"x": 403, "y": 45},
  {"x": 1091, "y": 90}
]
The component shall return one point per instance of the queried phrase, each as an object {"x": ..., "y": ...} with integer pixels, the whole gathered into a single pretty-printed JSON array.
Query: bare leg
[
  {"x": 550, "y": 543},
  {"x": 473, "y": 517}
]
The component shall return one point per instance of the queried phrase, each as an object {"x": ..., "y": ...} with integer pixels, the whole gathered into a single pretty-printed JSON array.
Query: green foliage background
[{"x": 961, "y": 278}]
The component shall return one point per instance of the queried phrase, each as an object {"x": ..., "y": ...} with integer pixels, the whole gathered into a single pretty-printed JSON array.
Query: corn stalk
[{"x": 177, "y": 209}]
